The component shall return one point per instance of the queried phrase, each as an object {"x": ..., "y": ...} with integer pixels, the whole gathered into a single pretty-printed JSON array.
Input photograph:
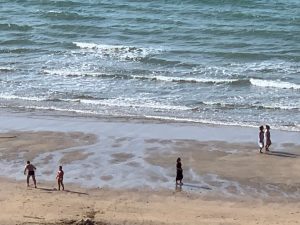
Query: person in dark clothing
[
  {"x": 179, "y": 172},
  {"x": 30, "y": 173},
  {"x": 261, "y": 136},
  {"x": 268, "y": 138}
]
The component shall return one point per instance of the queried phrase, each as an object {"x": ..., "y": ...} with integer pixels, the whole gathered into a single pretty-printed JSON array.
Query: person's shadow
[
  {"x": 178, "y": 187},
  {"x": 55, "y": 190},
  {"x": 282, "y": 154}
]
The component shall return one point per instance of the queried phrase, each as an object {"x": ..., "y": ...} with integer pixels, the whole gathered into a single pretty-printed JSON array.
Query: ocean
[{"x": 215, "y": 62}]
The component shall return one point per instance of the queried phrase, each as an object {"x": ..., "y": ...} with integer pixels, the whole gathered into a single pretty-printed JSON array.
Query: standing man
[{"x": 30, "y": 173}]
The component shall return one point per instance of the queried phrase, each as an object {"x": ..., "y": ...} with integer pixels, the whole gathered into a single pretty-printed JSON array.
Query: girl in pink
[{"x": 60, "y": 178}]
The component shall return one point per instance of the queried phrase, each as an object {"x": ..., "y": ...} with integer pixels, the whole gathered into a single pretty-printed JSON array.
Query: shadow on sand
[
  {"x": 76, "y": 192},
  {"x": 282, "y": 154},
  {"x": 197, "y": 186},
  {"x": 179, "y": 187},
  {"x": 68, "y": 191}
]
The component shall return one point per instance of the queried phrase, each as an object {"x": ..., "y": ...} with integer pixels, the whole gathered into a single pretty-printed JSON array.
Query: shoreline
[
  {"x": 194, "y": 130},
  {"x": 131, "y": 118}
]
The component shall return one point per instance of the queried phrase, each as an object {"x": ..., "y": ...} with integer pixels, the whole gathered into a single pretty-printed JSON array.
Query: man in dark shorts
[{"x": 31, "y": 173}]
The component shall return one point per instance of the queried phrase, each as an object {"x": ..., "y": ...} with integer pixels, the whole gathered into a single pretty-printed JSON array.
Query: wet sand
[{"x": 122, "y": 172}]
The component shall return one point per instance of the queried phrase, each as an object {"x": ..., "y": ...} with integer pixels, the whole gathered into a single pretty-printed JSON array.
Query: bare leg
[
  {"x": 58, "y": 183},
  {"x": 62, "y": 184},
  {"x": 34, "y": 181},
  {"x": 28, "y": 176}
]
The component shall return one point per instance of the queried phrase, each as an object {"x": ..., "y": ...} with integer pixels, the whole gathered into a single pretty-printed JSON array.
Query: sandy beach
[
  {"x": 122, "y": 172},
  {"x": 21, "y": 205}
]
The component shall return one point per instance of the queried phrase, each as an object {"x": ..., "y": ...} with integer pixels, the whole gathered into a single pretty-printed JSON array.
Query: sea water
[{"x": 218, "y": 62}]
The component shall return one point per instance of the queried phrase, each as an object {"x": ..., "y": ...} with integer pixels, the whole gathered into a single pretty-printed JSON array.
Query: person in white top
[{"x": 261, "y": 137}]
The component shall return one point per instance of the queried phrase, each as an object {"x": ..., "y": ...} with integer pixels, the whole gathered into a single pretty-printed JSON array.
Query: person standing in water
[
  {"x": 30, "y": 173},
  {"x": 60, "y": 178},
  {"x": 268, "y": 137},
  {"x": 261, "y": 138},
  {"x": 179, "y": 172}
]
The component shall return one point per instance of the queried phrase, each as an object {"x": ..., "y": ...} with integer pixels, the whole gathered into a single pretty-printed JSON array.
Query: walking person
[
  {"x": 268, "y": 138},
  {"x": 60, "y": 178},
  {"x": 179, "y": 172},
  {"x": 261, "y": 137},
  {"x": 30, "y": 169}
]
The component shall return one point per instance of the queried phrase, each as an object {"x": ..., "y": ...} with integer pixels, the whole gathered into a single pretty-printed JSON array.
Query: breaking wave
[
  {"x": 274, "y": 84},
  {"x": 118, "y": 51}
]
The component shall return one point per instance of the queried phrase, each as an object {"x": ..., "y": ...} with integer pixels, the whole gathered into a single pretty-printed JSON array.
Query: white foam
[
  {"x": 6, "y": 68},
  {"x": 186, "y": 79},
  {"x": 132, "y": 103},
  {"x": 11, "y": 97},
  {"x": 61, "y": 109},
  {"x": 71, "y": 73},
  {"x": 118, "y": 51},
  {"x": 284, "y": 107},
  {"x": 274, "y": 84}
]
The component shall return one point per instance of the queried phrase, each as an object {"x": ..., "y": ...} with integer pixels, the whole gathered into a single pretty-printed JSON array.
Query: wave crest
[
  {"x": 118, "y": 51},
  {"x": 274, "y": 84}
]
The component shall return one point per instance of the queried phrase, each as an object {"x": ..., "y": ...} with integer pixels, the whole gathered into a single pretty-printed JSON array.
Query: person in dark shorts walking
[
  {"x": 268, "y": 137},
  {"x": 179, "y": 172},
  {"x": 30, "y": 173}
]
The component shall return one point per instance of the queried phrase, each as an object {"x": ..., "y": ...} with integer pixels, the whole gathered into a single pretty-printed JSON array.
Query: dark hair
[
  {"x": 60, "y": 167},
  {"x": 178, "y": 159},
  {"x": 28, "y": 162},
  {"x": 267, "y": 127},
  {"x": 261, "y": 127}
]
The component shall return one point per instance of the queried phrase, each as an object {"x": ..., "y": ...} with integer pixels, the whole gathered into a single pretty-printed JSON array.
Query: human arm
[{"x": 25, "y": 170}]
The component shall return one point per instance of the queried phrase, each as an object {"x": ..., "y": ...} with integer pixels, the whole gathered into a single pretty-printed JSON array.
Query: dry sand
[{"x": 21, "y": 205}]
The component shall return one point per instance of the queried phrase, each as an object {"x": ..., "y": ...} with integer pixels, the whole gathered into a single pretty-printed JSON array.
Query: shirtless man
[{"x": 30, "y": 168}]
